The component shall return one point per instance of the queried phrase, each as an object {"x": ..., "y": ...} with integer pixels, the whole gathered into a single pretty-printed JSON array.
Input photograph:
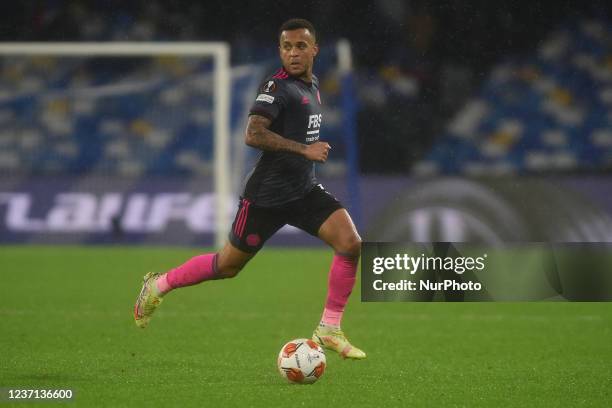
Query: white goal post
[{"x": 219, "y": 51}]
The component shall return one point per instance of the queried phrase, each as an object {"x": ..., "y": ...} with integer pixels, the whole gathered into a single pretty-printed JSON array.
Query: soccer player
[{"x": 284, "y": 123}]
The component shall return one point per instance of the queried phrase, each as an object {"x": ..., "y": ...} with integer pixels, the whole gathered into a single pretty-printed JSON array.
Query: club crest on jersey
[
  {"x": 253, "y": 240},
  {"x": 270, "y": 86}
]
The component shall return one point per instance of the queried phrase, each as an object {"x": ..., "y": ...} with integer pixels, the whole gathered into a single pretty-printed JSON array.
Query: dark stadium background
[
  {"x": 418, "y": 69},
  {"x": 448, "y": 47}
]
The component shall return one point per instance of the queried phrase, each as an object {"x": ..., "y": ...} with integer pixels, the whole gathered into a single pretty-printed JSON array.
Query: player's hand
[{"x": 317, "y": 151}]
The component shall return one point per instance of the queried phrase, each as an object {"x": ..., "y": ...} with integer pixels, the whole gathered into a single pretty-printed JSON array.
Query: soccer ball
[{"x": 301, "y": 361}]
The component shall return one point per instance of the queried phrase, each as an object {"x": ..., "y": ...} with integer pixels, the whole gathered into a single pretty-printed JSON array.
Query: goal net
[{"x": 131, "y": 110}]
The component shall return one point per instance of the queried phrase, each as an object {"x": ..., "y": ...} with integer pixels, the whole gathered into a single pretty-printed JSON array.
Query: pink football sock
[
  {"x": 198, "y": 269},
  {"x": 340, "y": 285}
]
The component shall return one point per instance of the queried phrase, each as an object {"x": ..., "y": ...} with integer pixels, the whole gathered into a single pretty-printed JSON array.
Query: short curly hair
[{"x": 296, "y": 23}]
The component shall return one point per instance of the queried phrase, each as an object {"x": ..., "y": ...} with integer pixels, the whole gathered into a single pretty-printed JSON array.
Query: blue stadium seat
[{"x": 555, "y": 97}]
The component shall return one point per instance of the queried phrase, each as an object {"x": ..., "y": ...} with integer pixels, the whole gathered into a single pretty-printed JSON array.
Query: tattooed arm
[{"x": 259, "y": 136}]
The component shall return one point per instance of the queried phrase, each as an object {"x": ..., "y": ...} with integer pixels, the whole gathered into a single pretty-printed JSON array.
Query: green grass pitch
[{"x": 66, "y": 322}]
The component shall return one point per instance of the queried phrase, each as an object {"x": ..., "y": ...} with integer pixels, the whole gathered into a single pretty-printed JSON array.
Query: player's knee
[
  {"x": 350, "y": 246},
  {"x": 226, "y": 270},
  {"x": 230, "y": 261}
]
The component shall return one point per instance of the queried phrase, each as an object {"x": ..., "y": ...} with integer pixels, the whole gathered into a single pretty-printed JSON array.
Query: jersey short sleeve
[{"x": 271, "y": 99}]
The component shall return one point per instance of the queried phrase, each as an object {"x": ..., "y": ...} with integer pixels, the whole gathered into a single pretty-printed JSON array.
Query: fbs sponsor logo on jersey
[
  {"x": 268, "y": 87},
  {"x": 314, "y": 123}
]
